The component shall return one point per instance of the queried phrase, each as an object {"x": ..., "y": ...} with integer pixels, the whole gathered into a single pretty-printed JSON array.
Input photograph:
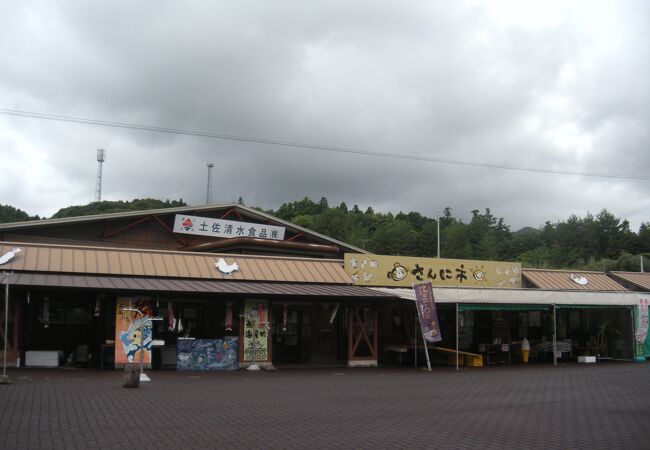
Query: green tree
[
  {"x": 10, "y": 214},
  {"x": 394, "y": 238},
  {"x": 107, "y": 207},
  {"x": 644, "y": 237}
]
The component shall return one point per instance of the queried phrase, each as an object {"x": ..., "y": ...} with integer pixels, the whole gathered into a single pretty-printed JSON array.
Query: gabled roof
[
  {"x": 571, "y": 280},
  {"x": 641, "y": 280},
  {"x": 244, "y": 210}
]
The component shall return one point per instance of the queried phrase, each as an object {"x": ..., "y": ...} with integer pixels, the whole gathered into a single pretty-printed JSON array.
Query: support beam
[{"x": 554, "y": 335}]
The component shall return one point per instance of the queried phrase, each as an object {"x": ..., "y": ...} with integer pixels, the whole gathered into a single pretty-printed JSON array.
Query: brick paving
[{"x": 605, "y": 406}]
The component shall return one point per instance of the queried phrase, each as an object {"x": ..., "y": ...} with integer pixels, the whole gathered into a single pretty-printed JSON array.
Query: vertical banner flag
[
  {"x": 255, "y": 330},
  {"x": 132, "y": 332},
  {"x": 427, "y": 313},
  {"x": 642, "y": 324}
]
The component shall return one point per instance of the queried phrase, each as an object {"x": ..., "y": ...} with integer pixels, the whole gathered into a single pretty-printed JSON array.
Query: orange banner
[{"x": 128, "y": 330}]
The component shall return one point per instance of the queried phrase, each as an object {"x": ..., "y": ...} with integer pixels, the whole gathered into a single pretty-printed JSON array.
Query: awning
[
  {"x": 521, "y": 296},
  {"x": 492, "y": 307},
  {"x": 142, "y": 284},
  {"x": 122, "y": 262}
]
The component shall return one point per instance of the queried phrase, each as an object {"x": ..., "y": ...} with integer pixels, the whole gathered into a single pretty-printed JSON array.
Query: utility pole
[
  {"x": 208, "y": 193},
  {"x": 438, "y": 237},
  {"x": 101, "y": 157},
  {"x": 4, "y": 378}
]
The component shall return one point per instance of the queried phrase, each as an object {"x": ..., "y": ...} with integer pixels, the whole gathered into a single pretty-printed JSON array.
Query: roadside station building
[
  {"x": 487, "y": 308},
  {"x": 221, "y": 287},
  {"x": 229, "y": 284}
]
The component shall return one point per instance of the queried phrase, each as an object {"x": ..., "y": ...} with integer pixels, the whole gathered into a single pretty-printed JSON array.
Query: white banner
[
  {"x": 206, "y": 226},
  {"x": 642, "y": 323}
]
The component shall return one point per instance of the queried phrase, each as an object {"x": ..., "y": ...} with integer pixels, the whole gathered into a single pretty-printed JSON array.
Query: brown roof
[
  {"x": 638, "y": 279},
  {"x": 153, "y": 263},
  {"x": 562, "y": 280},
  {"x": 192, "y": 286},
  {"x": 198, "y": 210}
]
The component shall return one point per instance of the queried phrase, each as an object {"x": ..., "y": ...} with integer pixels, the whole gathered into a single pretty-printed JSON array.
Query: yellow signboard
[{"x": 404, "y": 271}]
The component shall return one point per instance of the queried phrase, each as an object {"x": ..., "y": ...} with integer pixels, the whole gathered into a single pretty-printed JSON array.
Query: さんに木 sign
[{"x": 404, "y": 271}]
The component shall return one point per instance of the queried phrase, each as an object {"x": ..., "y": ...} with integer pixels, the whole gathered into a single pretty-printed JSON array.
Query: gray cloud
[{"x": 562, "y": 87}]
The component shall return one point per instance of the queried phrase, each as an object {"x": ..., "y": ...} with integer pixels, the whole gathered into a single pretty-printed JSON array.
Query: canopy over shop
[
  {"x": 74, "y": 276},
  {"x": 304, "y": 306},
  {"x": 488, "y": 319},
  {"x": 490, "y": 309}
]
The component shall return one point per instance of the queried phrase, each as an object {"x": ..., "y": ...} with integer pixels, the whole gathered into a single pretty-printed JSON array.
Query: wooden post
[
  {"x": 131, "y": 376},
  {"x": 376, "y": 333},
  {"x": 350, "y": 335},
  {"x": 554, "y": 335}
]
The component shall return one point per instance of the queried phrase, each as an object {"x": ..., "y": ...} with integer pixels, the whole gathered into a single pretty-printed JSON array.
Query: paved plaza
[{"x": 604, "y": 406}]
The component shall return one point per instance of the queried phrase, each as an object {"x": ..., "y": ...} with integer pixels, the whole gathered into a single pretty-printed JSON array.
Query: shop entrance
[{"x": 303, "y": 333}]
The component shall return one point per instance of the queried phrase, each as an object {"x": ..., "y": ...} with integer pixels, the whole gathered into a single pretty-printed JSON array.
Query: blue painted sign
[{"x": 207, "y": 354}]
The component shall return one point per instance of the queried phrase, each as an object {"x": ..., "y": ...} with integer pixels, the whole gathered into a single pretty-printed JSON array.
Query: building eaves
[{"x": 571, "y": 280}]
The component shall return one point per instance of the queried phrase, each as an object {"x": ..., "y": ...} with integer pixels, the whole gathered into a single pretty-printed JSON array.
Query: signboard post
[{"x": 428, "y": 315}]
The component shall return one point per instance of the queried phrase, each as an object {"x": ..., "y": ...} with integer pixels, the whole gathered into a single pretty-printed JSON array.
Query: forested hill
[{"x": 600, "y": 242}]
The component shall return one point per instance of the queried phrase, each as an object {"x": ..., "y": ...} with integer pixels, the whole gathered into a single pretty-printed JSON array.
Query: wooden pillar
[
  {"x": 356, "y": 336},
  {"x": 350, "y": 334},
  {"x": 375, "y": 337}
]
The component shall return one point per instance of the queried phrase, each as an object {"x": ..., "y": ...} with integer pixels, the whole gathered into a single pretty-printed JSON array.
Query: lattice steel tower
[
  {"x": 208, "y": 193},
  {"x": 101, "y": 157}
]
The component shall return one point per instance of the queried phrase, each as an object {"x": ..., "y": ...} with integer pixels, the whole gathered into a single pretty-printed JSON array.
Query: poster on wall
[
  {"x": 256, "y": 330},
  {"x": 128, "y": 328},
  {"x": 207, "y": 354}
]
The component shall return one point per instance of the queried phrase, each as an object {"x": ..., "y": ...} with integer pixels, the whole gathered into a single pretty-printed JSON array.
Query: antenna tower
[
  {"x": 208, "y": 194},
  {"x": 101, "y": 157}
]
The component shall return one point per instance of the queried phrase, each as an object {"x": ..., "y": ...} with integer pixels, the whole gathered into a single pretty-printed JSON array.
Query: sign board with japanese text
[
  {"x": 427, "y": 312},
  {"x": 207, "y": 226},
  {"x": 404, "y": 271},
  {"x": 256, "y": 329},
  {"x": 641, "y": 332}
]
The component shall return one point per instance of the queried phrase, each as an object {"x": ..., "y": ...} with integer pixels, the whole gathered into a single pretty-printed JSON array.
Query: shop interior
[
  {"x": 79, "y": 329},
  {"x": 498, "y": 332},
  {"x": 308, "y": 333}
]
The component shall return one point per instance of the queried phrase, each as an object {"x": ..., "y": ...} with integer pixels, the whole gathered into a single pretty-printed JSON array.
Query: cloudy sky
[{"x": 558, "y": 86}]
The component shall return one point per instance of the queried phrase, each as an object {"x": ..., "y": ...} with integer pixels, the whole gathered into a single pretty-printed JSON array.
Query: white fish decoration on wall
[
  {"x": 9, "y": 256},
  {"x": 226, "y": 268}
]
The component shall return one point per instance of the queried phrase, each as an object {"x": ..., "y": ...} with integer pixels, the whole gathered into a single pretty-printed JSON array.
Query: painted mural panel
[
  {"x": 256, "y": 330},
  {"x": 404, "y": 271},
  {"x": 128, "y": 327},
  {"x": 207, "y": 354}
]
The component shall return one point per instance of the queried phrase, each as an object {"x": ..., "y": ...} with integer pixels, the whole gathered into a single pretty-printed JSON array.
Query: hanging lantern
[
  {"x": 98, "y": 305},
  {"x": 285, "y": 313},
  {"x": 170, "y": 316},
  {"x": 228, "y": 316},
  {"x": 46, "y": 312}
]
